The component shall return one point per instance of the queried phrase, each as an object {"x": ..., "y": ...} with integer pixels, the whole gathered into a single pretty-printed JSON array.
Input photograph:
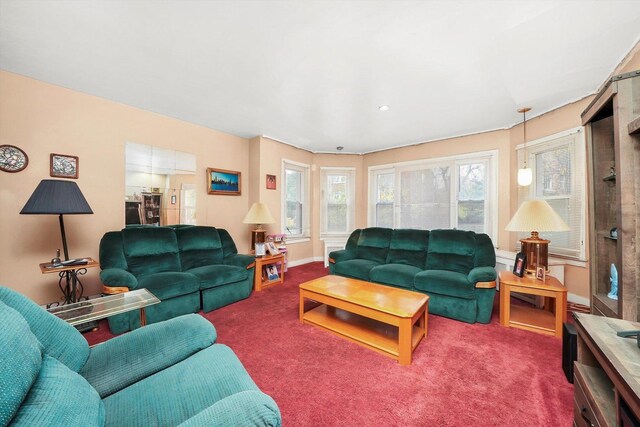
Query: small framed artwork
[
  {"x": 260, "y": 249},
  {"x": 272, "y": 272},
  {"x": 173, "y": 199},
  {"x": 519, "y": 263},
  {"x": 221, "y": 181},
  {"x": 271, "y": 182},
  {"x": 271, "y": 247},
  {"x": 64, "y": 166},
  {"x": 540, "y": 273}
]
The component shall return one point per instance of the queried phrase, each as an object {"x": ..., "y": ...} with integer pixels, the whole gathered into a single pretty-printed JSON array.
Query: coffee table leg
[
  {"x": 143, "y": 317},
  {"x": 404, "y": 337},
  {"x": 301, "y": 313}
]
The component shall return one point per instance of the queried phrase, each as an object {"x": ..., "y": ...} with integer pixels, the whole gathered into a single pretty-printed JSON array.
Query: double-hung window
[
  {"x": 447, "y": 192},
  {"x": 557, "y": 163},
  {"x": 295, "y": 199},
  {"x": 337, "y": 199}
]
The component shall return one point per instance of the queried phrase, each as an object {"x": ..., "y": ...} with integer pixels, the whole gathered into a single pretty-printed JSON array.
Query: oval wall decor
[{"x": 12, "y": 158}]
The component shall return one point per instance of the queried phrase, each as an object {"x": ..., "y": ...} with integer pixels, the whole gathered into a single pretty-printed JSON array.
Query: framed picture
[
  {"x": 260, "y": 249},
  {"x": 272, "y": 272},
  {"x": 519, "y": 263},
  {"x": 64, "y": 166},
  {"x": 271, "y": 247},
  {"x": 220, "y": 181},
  {"x": 540, "y": 273},
  {"x": 271, "y": 182}
]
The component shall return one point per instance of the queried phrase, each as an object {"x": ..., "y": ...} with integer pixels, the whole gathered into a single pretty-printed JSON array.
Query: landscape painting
[{"x": 220, "y": 181}]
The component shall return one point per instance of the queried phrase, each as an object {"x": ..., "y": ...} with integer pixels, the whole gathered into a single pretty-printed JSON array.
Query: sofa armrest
[
  {"x": 240, "y": 260},
  {"x": 482, "y": 274},
  {"x": 341, "y": 255},
  {"x": 118, "y": 278},
  {"x": 246, "y": 408},
  {"x": 127, "y": 359}
]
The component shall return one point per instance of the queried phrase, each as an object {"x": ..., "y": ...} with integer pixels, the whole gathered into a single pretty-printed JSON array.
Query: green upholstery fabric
[
  {"x": 217, "y": 275},
  {"x": 399, "y": 275},
  {"x": 349, "y": 251},
  {"x": 20, "y": 358},
  {"x": 169, "y": 284},
  {"x": 214, "y": 298},
  {"x": 60, "y": 397},
  {"x": 373, "y": 244},
  {"x": 482, "y": 274},
  {"x": 352, "y": 241},
  {"x": 239, "y": 260},
  {"x": 485, "y": 299},
  {"x": 408, "y": 247},
  {"x": 213, "y": 374},
  {"x": 452, "y": 250},
  {"x": 485, "y": 254},
  {"x": 118, "y": 277},
  {"x": 151, "y": 250},
  {"x": 356, "y": 268},
  {"x": 228, "y": 245},
  {"x": 111, "y": 251},
  {"x": 465, "y": 310},
  {"x": 246, "y": 408},
  {"x": 199, "y": 246},
  {"x": 59, "y": 339},
  {"x": 116, "y": 364},
  {"x": 445, "y": 282}
]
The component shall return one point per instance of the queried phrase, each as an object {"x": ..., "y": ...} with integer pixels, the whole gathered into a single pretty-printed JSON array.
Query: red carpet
[{"x": 483, "y": 375}]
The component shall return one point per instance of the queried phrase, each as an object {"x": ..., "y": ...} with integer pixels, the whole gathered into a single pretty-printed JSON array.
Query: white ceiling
[{"x": 313, "y": 73}]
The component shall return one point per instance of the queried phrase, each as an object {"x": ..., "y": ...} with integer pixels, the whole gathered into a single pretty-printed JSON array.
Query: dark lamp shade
[{"x": 53, "y": 196}]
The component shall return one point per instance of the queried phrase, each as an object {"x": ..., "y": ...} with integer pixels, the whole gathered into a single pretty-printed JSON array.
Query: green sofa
[
  {"x": 455, "y": 268},
  {"x": 188, "y": 268},
  {"x": 167, "y": 374}
]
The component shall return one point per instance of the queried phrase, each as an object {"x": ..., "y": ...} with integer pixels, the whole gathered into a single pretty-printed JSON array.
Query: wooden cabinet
[
  {"x": 152, "y": 208},
  {"x": 613, "y": 161},
  {"x": 606, "y": 376}
]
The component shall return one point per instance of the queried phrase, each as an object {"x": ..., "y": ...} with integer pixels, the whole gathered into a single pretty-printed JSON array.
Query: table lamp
[
  {"x": 258, "y": 214},
  {"x": 57, "y": 197},
  {"x": 535, "y": 216}
]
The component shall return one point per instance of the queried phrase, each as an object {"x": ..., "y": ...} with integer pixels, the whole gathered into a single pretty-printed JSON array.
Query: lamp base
[
  {"x": 257, "y": 236},
  {"x": 537, "y": 252}
]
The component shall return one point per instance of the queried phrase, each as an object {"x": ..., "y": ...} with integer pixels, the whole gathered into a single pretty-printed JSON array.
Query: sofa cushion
[
  {"x": 111, "y": 251},
  {"x": 408, "y": 247},
  {"x": 199, "y": 246},
  {"x": 62, "y": 397},
  {"x": 211, "y": 375},
  {"x": 485, "y": 252},
  {"x": 59, "y": 339},
  {"x": 211, "y": 276},
  {"x": 452, "y": 250},
  {"x": 20, "y": 358},
  {"x": 169, "y": 284},
  {"x": 400, "y": 275},
  {"x": 373, "y": 244},
  {"x": 445, "y": 282},
  {"x": 150, "y": 250},
  {"x": 356, "y": 268}
]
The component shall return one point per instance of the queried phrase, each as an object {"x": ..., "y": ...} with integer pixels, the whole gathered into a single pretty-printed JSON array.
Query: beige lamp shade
[
  {"x": 259, "y": 214},
  {"x": 536, "y": 215}
]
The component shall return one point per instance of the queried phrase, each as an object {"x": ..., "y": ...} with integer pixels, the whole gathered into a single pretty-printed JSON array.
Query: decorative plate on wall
[{"x": 12, "y": 158}]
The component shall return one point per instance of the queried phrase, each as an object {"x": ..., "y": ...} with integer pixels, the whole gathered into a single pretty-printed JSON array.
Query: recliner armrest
[
  {"x": 129, "y": 358},
  {"x": 240, "y": 260},
  {"x": 341, "y": 255},
  {"x": 246, "y": 408},
  {"x": 117, "y": 277},
  {"x": 482, "y": 274}
]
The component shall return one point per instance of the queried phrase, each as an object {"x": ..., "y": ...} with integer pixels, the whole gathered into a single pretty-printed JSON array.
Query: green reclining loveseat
[
  {"x": 187, "y": 267},
  {"x": 455, "y": 268},
  {"x": 167, "y": 374}
]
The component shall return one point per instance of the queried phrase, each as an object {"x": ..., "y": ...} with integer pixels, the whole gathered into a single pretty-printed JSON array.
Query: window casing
[
  {"x": 557, "y": 163},
  {"x": 337, "y": 199},
  {"x": 447, "y": 192},
  {"x": 295, "y": 200}
]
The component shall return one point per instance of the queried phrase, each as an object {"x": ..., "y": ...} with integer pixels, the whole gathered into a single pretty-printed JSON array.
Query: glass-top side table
[{"x": 110, "y": 305}]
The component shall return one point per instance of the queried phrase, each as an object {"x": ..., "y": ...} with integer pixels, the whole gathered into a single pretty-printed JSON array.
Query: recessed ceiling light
[
  {"x": 339, "y": 148},
  {"x": 383, "y": 107}
]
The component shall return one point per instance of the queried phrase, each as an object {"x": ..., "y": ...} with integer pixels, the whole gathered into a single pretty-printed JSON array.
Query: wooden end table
[
  {"x": 259, "y": 282},
  {"x": 69, "y": 279},
  {"x": 548, "y": 320}
]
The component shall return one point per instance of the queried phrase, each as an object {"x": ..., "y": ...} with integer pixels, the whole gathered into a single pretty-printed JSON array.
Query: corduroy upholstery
[
  {"x": 445, "y": 264},
  {"x": 164, "y": 374},
  {"x": 179, "y": 265}
]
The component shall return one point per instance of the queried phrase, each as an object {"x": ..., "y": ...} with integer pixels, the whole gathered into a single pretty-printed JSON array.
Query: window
[
  {"x": 188, "y": 204},
  {"x": 557, "y": 163},
  {"x": 337, "y": 211},
  {"x": 452, "y": 192},
  {"x": 296, "y": 206}
]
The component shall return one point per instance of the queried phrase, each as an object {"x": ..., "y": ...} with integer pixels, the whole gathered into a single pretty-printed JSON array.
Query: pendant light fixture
[{"x": 525, "y": 175}]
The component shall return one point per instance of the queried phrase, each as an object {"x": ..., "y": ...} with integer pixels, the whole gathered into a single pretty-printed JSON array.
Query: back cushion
[
  {"x": 485, "y": 251},
  {"x": 111, "y": 251},
  {"x": 150, "y": 250},
  {"x": 452, "y": 250},
  {"x": 199, "y": 246},
  {"x": 408, "y": 247},
  {"x": 228, "y": 245},
  {"x": 373, "y": 244},
  {"x": 59, "y": 339},
  {"x": 20, "y": 358}
]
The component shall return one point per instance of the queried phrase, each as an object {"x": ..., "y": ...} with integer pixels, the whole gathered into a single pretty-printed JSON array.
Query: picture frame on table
[
  {"x": 519, "y": 264},
  {"x": 272, "y": 272},
  {"x": 541, "y": 273},
  {"x": 224, "y": 182},
  {"x": 260, "y": 249},
  {"x": 272, "y": 249},
  {"x": 64, "y": 166}
]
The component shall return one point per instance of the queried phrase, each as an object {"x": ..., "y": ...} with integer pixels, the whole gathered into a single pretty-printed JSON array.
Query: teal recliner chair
[
  {"x": 168, "y": 374},
  {"x": 456, "y": 268},
  {"x": 188, "y": 268}
]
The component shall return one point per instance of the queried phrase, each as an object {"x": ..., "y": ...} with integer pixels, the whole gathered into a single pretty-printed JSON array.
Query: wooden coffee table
[{"x": 388, "y": 320}]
